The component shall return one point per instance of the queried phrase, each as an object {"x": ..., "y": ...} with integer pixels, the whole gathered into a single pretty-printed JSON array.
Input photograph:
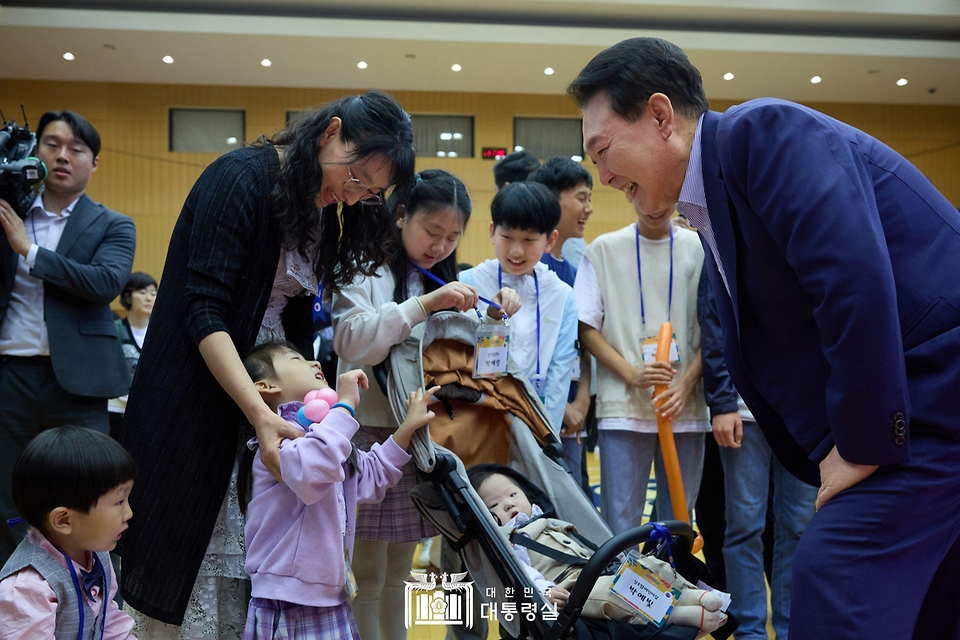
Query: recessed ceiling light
[
  {"x": 577, "y": 158},
  {"x": 902, "y": 82},
  {"x": 168, "y": 59},
  {"x": 361, "y": 65},
  {"x": 518, "y": 148},
  {"x": 452, "y": 154},
  {"x": 232, "y": 140},
  {"x": 265, "y": 62},
  {"x": 68, "y": 56},
  {"x": 441, "y": 154},
  {"x": 728, "y": 76},
  {"x": 458, "y": 136},
  {"x": 456, "y": 67},
  {"x": 548, "y": 71},
  {"x": 446, "y": 135},
  {"x": 816, "y": 80}
]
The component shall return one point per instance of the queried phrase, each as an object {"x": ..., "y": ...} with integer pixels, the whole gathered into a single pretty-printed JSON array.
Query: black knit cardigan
[{"x": 180, "y": 426}]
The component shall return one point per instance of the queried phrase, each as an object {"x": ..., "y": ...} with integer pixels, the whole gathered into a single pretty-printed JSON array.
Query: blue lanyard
[
  {"x": 536, "y": 285},
  {"x": 80, "y": 602},
  {"x": 441, "y": 283},
  {"x": 643, "y": 319},
  {"x": 319, "y": 315}
]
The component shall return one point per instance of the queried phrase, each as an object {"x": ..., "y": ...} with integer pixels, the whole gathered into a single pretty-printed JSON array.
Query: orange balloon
[{"x": 668, "y": 446}]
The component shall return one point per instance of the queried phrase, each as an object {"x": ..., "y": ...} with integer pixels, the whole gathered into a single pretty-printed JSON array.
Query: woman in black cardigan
[{"x": 254, "y": 235}]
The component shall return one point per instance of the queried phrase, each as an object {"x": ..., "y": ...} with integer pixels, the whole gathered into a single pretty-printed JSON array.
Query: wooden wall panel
[{"x": 139, "y": 177}]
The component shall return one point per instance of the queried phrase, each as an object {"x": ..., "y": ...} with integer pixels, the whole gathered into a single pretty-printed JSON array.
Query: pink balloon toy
[
  {"x": 316, "y": 406},
  {"x": 316, "y": 410},
  {"x": 328, "y": 395}
]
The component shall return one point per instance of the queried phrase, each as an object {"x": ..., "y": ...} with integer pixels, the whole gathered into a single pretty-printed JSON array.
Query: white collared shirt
[{"x": 24, "y": 330}]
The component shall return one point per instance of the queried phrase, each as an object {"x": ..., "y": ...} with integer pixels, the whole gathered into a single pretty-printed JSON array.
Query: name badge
[
  {"x": 493, "y": 350},
  {"x": 351, "y": 586},
  {"x": 645, "y": 591},
  {"x": 540, "y": 386},
  {"x": 648, "y": 346},
  {"x": 577, "y": 368}
]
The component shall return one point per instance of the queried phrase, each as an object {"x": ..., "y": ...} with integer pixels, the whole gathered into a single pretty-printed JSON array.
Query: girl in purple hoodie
[{"x": 299, "y": 533}]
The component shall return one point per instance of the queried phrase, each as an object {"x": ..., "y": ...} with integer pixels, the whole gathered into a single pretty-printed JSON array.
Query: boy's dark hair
[
  {"x": 259, "y": 360},
  {"x": 525, "y": 206},
  {"x": 67, "y": 467},
  {"x": 433, "y": 190},
  {"x": 632, "y": 70},
  {"x": 560, "y": 173},
  {"x": 137, "y": 281},
  {"x": 515, "y": 167},
  {"x": 81, "y": 127}
]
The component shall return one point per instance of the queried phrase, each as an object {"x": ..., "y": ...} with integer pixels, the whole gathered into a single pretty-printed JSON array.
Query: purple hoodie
[{"x": 297, "y": 530}]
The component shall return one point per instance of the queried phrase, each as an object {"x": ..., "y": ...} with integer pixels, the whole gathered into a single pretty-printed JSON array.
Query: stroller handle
[{"x": 683, "y": 534}]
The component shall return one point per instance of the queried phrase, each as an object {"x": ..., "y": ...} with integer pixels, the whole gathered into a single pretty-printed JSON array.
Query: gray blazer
[{"x": 81, "y": 278}]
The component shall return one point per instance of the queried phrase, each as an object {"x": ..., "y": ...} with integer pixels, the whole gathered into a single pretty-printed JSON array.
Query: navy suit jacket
[
  {"x": 89, "y": 268},
  {"x": 843, "y": 319}
]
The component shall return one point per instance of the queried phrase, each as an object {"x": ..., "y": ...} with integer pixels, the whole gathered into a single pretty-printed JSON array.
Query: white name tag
[
  {"x": 649, "y": 348},
  {"x": 645, "y": 591},
  {"x": 492, "y": 352}
]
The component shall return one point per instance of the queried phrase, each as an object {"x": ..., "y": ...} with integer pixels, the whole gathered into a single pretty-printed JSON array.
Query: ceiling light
[
  {"x": 518, "y": 148},
  {"x": 265, "y": 63},
  {"x": 816, "y": 80},
  {"x": 441, "y": 154},
  {"x": 446, "y": 136},
  {"x": 452, "y": 154},
  {"x": 458, "y": 136},
  {"x": 232, "y": 140},
  {"x": 168, "y": 59},
  {"x": 548, "y": 71},
  {"x": 456, "y": 67},
  {"x": 361, "y": 65},
  {"x": 902, "y": 82},
  {"x": 728, "y": 76},
  {"x": 577, "y": 158},
  {"x": 68, "y": 56}
]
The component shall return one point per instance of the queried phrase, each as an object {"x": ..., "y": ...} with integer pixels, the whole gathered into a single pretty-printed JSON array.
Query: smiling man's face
[{"x": 646, "y": 159}]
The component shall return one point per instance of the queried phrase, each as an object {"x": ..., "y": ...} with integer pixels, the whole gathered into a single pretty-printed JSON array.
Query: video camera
[{"x": 21, "y": 174}]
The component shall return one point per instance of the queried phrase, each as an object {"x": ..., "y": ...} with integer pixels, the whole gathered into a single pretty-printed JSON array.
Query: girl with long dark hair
[{"x": 369, "y": 318}]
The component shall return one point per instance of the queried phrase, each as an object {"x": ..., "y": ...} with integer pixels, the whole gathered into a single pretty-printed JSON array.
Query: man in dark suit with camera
[{"x": 61, "y": 265}]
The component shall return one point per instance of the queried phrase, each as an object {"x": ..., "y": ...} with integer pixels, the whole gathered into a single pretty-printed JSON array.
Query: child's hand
[
  {"x": 417, "y": 415},
  {"x": 509, "y": 301},
  {"x": 349, "y": 385},
  {"x": 557, "y": 596},
  {"x": 453, "y": 294},
  {"x": 653, "y": 374}
]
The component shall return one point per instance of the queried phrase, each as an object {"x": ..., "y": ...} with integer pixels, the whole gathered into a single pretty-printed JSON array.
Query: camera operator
[{"x": 61, "y": 265}]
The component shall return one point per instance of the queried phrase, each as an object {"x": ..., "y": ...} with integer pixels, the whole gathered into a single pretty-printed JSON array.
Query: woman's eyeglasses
[{"x": 367, "y": 197}]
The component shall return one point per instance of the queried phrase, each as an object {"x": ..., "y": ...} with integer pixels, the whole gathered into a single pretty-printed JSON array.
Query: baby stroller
[{"x": 504, "y": 421}]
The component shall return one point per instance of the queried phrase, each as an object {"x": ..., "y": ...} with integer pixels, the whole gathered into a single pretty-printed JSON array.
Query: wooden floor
[{"x": 422, "y": 632}]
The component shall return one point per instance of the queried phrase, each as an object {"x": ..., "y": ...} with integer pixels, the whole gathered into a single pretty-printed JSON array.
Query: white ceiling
[{"x": 860, "y": 48}]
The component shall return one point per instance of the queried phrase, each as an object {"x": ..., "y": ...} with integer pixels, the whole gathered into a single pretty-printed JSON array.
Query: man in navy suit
[
  {"x": 837, "y": 270},
  {"x": 61, "y": 265}
]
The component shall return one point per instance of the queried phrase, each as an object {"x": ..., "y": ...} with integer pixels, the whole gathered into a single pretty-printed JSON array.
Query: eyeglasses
[{"x": 367, "y": 197}]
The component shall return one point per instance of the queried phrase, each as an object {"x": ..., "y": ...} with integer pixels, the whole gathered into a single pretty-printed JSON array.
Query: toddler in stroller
[{"x": 554, "y": 555}]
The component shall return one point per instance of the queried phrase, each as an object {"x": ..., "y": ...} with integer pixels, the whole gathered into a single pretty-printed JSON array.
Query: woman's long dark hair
[
  {"x": 354, "y": 241},
  {"x": 433, "y": 190}
]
